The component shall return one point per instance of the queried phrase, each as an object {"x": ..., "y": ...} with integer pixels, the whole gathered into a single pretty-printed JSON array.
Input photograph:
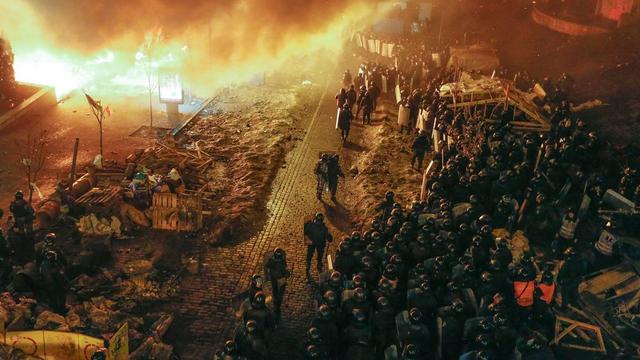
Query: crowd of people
[
  {"x": 32, "y": 264},
  {"x": 442, "y": 277}
]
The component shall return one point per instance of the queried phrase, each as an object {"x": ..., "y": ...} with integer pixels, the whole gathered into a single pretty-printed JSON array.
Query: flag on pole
[
  {"x": 93, "y": 103},
  {"x": 107, "y": 110}
]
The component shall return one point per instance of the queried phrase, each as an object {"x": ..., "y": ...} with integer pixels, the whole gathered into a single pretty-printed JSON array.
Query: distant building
[{"x": 586, "y": 17}]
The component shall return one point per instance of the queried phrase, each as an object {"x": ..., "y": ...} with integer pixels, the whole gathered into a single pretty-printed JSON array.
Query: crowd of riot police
[{"x": 444, "y": 278}]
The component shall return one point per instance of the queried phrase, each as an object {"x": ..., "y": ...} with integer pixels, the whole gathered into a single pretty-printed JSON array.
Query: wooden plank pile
[
  {"x": 102, "y": 202},
  {"x": 193, "y": 164}
]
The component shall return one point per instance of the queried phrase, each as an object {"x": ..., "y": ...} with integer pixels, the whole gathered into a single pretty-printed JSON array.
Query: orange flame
[{"x": 128, "y": 61}]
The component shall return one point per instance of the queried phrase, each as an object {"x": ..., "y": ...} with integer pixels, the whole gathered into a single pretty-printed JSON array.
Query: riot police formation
[{"x": 441, "y": 278}]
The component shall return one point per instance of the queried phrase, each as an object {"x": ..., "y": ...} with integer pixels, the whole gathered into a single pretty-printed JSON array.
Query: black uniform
[
  {"x": 419, "y": 147},
  {"x": 317, "y": 235},
  {"x": 334, "y": 171},
  {"x": 276, "y": 271}
]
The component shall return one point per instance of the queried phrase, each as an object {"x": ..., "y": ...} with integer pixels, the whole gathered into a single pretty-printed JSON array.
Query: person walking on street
[
  {"x": 341, "y": 98},
  {"x": 322, "y": 173},
  {"x": 334, "y": 172},
  {"x": 374, "y": 92},
  {"x": 316, "y": 236},
  {"x": 352, "y": 97},
  {"x": 366, "y": 103},
  {"x": 344, "y": 122},
  {"x": 276, "y": 271},
  {"x": 419, "y": 146}
]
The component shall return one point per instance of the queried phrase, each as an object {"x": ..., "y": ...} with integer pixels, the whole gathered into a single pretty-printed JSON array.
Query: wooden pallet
[
  {"x": 101, "y": 201},
  {"x": 177, "y": 212}
]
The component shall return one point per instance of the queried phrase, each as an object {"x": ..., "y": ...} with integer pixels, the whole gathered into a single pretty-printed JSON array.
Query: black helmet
[
  {"x": 355, "y": 236},
  {"x": 484, "y": 219},
  {"x": 367, "y": 262},
  {"x": 483, "y": 340},
  {"x": 486, "y": 229},
  {"x": 359, "y": 316},
  {"x": 259, "y": 299},
  {"x": 382, "y": 302},
  {"x": 411, "y": 350},
  {"x": 415, "y": 315},
  {"x": 330, "y": 297},
  {"x": 19, "y": 195},
  {"x": 358, "y": 281},
  {"x": 256, "y": 281},
  {"x": 360, "y": 295},
  {"x": 278, "y": 253},
  {"x": 485, "y": 325},
  {"x": 396, "y": 259},
  {"x": 314, "y": 334},
  {"x": 324, "y": 311},
  {"x": 384, "y": 285},
  {"x": 376, "y": 236},
  {"x": 335, "y": 278},
  {"x": 389, "y": 195},
  {"x": 313, "y": 351},
  {"x": 319, "y": 217},
  {"x": 424, "y": 286},
  {"x": 230, "y": 347},
  {"x": 50, "y": 238},
  {"x": 391, "y": 271},
  {"x": 251, "y": 326}
]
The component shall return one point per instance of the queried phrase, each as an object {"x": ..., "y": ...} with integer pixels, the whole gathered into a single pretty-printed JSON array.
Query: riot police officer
[
  {"x": 316, "y": 236},
  {"x": 55, "y": 282},
  {"x": 22, "y": 212},
  {"x": 275, "y": 269}
]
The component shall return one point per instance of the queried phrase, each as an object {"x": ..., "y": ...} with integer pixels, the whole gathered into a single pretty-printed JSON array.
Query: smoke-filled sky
[
  {"x": 228, "y": 35},
  {"x": 90, "y": 24}
]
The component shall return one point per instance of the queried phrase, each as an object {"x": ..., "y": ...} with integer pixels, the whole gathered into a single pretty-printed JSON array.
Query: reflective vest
[
  {"x": 604, "y": 245},
  {"x": 547, "y": 292},
  {"x": 523, "y": 291}
]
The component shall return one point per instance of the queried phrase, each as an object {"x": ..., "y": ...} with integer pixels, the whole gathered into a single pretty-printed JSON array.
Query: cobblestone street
[{"x": 205, "y": 313}]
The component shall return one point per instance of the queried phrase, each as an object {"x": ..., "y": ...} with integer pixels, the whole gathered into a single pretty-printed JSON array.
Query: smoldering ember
[{"x": 321, "y": 179}]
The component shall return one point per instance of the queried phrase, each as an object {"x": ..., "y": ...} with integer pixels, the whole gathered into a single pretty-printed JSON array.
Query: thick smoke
[
  {"x": 226, "y": 37},
  {"x": 236, "y": 26}
]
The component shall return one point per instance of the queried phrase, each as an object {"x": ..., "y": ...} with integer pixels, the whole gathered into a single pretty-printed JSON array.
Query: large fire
[{"x": 212, "y": 51}]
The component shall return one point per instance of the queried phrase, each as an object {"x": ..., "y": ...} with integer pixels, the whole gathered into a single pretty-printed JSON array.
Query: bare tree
[
  {"x": 98, "y": 112},
  {"x": 33, "y": 157},
  {"x": 147, "y": 56}
]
